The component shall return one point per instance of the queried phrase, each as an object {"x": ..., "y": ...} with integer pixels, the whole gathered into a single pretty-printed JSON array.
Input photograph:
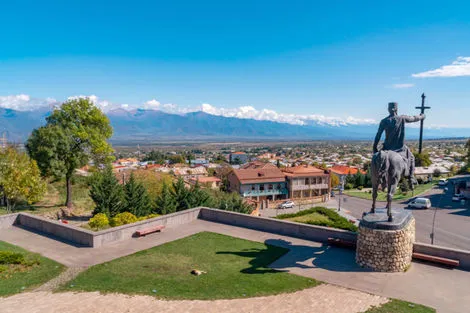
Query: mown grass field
[
  {"x": 235, "y": 268},
  {"x": 16, "y": 278},
  {"x": 320, "y": 216},
  {"x": 399, "y": 306},
  {"x": 399, "y": 196}
]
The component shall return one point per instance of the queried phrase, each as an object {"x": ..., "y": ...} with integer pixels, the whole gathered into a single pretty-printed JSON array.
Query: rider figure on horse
[{"x": 394, "y": 127}]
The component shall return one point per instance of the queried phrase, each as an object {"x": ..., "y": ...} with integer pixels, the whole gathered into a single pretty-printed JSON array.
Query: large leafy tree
[
  {"x": 137, "y": 198},
  {"x": 20, "y": 179},
  {"x": 74, "y": 134},
  {"x": 107, "y": 193}
]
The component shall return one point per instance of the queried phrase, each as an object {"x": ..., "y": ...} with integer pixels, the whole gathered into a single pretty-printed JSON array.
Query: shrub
[
  {"x": 349, "y": 186},
  {"x": 334, "y": 219},
  {"x": 360, "y": 187},
  {"x": 122, "y": 219},
  {"x": 98, "y": 221},
  {"x": 8, "y": 257}
]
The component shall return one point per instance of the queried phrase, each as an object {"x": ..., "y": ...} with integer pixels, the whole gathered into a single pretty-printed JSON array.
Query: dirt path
[
  {"x": 324, "y": 298},
  {"x": 69, "y": 274}
]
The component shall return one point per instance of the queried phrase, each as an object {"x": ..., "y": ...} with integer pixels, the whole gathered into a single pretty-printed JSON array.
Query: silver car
[{"x": 420, "y": 203}]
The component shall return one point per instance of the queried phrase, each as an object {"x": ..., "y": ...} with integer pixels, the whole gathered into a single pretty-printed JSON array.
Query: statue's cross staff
[{"x": 422, "y": 108}]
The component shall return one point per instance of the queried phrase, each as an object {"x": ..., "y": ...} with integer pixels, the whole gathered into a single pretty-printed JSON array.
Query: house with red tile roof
[
  {"x": 306, "y": 181},
  {"x": 258, "y": 183},
  {"x": 210, "y": 182},
  {"x": 341, "y": 171}
]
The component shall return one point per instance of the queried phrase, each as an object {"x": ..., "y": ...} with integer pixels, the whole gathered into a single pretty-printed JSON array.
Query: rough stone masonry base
[{"x": 386, "y": 250}]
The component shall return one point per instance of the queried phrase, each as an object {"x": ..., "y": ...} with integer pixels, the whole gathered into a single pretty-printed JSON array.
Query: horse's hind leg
[
  {"x": 392, "y": 187},
  {"x": 374, "y": 197}
]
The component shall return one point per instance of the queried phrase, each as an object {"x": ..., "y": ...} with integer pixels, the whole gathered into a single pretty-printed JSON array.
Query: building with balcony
[
  {"x": 259, "y": 183},
  {"x": 306, "y": 181}
]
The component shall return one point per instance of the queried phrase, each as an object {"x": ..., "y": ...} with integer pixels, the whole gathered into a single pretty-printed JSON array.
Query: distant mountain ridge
[{"x": 153, "y": 126}]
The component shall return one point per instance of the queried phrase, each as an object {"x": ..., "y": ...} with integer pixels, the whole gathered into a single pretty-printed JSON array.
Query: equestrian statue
[{"x": 395, "y": 160}]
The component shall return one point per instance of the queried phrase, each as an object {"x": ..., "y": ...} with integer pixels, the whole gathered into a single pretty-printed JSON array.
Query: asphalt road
[{"x": 451, "y": 219}]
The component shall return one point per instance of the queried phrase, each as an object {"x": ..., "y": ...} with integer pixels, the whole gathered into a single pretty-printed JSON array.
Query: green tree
[
  {"x": 334, "y": 180},
  {"x": 165, "y": 202},
  {"x": 137, "y": 198},
  {"x": 174, "y": 159},
  {"x": 20, "y": 179},
  {"x": 181, "y": 195},
  {"x": 198, "y": 197},
  {"x": 73, "y": 134},
  {"x": 107, "y": 193},
  {"x": 422, "y": 159}
]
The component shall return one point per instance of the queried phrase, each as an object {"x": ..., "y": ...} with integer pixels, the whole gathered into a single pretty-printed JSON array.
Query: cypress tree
[
  {"x": 165, "y": 202},
  {"x": 181, "y": 195},
  {"x": 137, "y": 198},
  {"x": 107, "y": 193}
]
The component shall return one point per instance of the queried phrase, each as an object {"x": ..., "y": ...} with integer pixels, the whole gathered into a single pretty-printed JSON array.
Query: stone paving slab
[{"x": 323, "y": 298}]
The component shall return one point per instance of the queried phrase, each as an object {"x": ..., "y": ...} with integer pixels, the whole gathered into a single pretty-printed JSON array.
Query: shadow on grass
[{"x": 299, "y": 256}]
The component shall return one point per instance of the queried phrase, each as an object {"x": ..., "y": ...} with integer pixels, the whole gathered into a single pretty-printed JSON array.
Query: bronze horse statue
[{"x": 387, "y": 168}]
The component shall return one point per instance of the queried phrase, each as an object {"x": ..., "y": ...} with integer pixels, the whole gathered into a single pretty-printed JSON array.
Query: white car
[
  {"x": 287, "y": 205},
  {"x": 420, "y": 203},
  {"x": 442, "y": 182},
  {"x": 458, "y": 197}
]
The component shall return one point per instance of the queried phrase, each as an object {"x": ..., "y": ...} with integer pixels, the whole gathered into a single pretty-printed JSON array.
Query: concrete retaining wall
[
  {"x": 65, "y": 232},
  {"x": 462, "y": 255},
  {"x": 127, "y": 231},
  {"x": 282, "y": 227},
  {"x": 8, "y": 220}
]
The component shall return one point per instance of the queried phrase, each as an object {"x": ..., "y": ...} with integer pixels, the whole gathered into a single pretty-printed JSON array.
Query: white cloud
[
  {"x": 460, "y": 67},
  {"x": 402, "y": 86},
  {"x": 25, "y": 102}
]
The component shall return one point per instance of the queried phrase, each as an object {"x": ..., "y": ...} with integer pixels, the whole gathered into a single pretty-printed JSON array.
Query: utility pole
[{"x": 422, "y": 108}]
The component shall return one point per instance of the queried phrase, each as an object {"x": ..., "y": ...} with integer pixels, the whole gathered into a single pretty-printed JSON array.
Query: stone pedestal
[{"x": 386, "y": 246}]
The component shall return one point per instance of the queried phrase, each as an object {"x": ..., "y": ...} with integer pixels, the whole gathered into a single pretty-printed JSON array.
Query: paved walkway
[
  {"x": 444, "y": 289},
  {"x": 324, "y": 298}
]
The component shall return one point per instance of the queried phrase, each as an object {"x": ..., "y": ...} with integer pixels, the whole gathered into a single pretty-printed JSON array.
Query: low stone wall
[
  {"x": 70, "y": 233},
  {"x": 276, "y": 226},
  {"x": 462, "y": 255},
  {"x": 8, "y": 220},
  {"x": 124, "y": 232}
]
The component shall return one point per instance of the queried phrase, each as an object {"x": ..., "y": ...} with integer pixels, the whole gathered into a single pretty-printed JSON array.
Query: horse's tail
[{"x": 380, "y": 167}]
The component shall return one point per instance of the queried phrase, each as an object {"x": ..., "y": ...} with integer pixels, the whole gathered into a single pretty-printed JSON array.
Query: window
[
  {"x": 261, "y": 187},
  {"x": 253, "y": 187},
  {"x": 307, "y": 182},
  {"x": 270, "y": 186},
  {"x": 278, "y": 186}
]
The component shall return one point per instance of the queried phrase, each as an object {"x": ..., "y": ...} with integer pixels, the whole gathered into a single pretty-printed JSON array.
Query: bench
[
  {"x": 341, "y": 243},
  {"x": 436, "y": 259},
  {"x": 149, "y": 230}
]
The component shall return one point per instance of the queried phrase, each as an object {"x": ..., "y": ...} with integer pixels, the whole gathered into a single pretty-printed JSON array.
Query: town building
[
  {"x": 342, "y": 171},
  {"x": 209, "y": 182},
  {"x": 258, "y": 183},
  {"x": 188, "y": 173},
  {"x": 306, "y": 181},
  {"x": 239, "y": 158},
  {"x": 426, "y": 173}
]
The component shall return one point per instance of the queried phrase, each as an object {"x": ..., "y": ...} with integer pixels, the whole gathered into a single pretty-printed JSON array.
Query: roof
[
  {"x": 210, "y": 179},
  {"x": 253, "y": 176},
  {"x": 238, "y": 152},
  {"x": 190, "y": 171},
  {"x": 345, "y": 170},
  {"x": 257, "y": 164},
  {"x": 303, "y": 170}
]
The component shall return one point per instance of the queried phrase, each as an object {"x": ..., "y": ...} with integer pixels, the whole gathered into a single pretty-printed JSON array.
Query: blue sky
[{"x": 329, "y": 59}]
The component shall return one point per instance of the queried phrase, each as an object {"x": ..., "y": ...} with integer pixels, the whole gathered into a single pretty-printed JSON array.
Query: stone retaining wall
[{"x": 8, "y": 220}]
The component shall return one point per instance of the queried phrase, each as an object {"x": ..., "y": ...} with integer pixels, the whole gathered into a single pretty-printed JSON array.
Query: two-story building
[
  {"x": 259, "y": 183},
  {"x": 306, "y": 181}
]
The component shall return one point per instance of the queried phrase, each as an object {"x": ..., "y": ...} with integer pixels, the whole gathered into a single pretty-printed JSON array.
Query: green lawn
[
  {"x": 399, "y": 196},
  {"x": 16, "y": 278},
  {"x": 235, "y": 268},
  {"x": 320, "y": 216},
  {"x": 398, "y": 306}
]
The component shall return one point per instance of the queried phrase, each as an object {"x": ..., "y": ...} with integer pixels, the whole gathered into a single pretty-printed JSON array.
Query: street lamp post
[
  {"x": 341, "y": 188},
  {"x": 433, "y": 235}
]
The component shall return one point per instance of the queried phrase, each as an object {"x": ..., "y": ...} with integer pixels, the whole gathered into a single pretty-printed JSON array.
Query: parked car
[
  {"x": 442, "y": 182},
  {"x": 420, "y": 203},
  {"x": 287, "y": 205},
  {"x": 458, "y": 197}
]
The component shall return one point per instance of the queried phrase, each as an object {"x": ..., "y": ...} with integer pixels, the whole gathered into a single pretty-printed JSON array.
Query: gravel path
[
  {"x": 67, "y": 275},
  {"x": 324, "y": 298}
]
